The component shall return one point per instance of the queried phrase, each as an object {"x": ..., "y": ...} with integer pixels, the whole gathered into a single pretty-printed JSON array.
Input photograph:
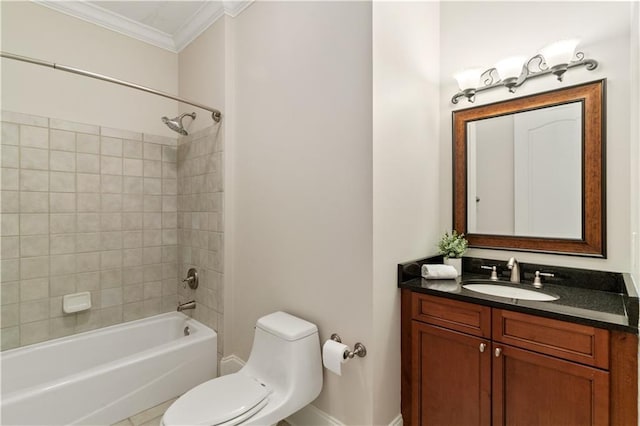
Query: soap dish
[{"x": 76, "y": 302}]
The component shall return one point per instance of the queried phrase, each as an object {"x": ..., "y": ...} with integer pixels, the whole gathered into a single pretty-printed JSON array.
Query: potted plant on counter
[{"x": 452, "y": 247}]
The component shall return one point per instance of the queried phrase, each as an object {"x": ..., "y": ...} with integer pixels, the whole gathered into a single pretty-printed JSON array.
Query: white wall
[
  {"x": 635, "y": 145},
  {"x": 405, "y": 173},
  {"x": 502, "y": 35},
  {"x": 202, "y": 75},
  {"x": 29, "y": 29},
  {"x": 303, "y": 180}
]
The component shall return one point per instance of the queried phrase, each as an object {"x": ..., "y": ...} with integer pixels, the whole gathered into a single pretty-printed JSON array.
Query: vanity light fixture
[{"x": 512, "y": 72}]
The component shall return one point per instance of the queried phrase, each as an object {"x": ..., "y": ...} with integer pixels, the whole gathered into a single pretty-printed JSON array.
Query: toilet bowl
[{"x": 283, "y": 374}]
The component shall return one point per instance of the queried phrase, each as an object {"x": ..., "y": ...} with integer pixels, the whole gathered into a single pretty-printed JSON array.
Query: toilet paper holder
[{"x": 358, "y": 348}]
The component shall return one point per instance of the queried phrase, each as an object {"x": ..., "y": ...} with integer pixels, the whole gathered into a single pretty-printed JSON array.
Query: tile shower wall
[
  {"x": 84, "y": 208},
  {"x": 200, "y": 223}
]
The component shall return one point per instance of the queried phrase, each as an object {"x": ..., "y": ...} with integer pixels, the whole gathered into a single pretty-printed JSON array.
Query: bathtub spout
[{"x": 187, "y": 305}]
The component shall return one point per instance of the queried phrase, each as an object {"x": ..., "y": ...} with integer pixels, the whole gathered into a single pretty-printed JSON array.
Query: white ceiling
[{"x": 171, "y": 25}]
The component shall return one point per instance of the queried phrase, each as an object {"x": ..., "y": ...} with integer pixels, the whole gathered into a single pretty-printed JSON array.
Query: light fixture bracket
[{"x": 534, "y": 67}]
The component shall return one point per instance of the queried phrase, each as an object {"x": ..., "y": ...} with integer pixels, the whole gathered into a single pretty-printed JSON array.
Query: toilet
[{"x": 283, "y": 374}]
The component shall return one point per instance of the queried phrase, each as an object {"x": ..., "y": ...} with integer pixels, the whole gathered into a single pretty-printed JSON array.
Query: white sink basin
[{"x": 510, "y": 292}]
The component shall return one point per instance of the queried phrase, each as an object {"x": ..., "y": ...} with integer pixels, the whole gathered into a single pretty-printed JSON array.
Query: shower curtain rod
[{"x": 215, "y": 114}]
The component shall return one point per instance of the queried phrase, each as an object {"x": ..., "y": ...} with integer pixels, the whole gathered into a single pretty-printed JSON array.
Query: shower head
[{"x": 175, "y": 124}]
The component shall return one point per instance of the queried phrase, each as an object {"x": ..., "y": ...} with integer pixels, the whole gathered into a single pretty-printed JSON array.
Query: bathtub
[{"x": 104, "y": 376}]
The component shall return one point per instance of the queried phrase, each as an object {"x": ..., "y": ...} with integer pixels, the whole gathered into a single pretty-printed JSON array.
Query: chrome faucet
[
  {"x": 513, "y": 265},
  {"x": 187, "y": 305}
]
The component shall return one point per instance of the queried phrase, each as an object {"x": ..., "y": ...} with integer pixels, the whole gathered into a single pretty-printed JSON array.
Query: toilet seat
[{"x": 227, "y": 400}]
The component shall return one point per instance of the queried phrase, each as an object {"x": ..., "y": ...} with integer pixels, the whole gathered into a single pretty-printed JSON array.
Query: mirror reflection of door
[{"x": 528, "y": 173}]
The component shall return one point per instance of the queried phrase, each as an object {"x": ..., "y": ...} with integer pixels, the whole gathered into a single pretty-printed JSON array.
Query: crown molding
[
  {"x": 234, "y": 8},
  {"x": 112, "y": 21},
  {"x": 209, "y": 13},
  {"x": 202, "y": 19}
]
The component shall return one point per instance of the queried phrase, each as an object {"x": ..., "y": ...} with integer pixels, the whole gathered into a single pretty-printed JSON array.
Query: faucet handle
[
  {"x": 537, "y": 281},
  {"x": 494, "y": 272}
]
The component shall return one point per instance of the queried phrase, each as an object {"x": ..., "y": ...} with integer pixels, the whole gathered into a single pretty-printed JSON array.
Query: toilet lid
[{"x": 216, "y": 401}]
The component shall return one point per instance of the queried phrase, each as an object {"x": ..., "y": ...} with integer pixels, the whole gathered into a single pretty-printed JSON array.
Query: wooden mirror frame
[{"x": 593, "y": 241}]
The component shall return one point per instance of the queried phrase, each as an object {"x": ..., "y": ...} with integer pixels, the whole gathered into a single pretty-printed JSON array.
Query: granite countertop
[{"x": 600, "y": 299}]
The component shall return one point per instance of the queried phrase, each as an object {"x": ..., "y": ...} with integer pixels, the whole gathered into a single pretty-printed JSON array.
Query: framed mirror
[{"x": 528, "y": 173}]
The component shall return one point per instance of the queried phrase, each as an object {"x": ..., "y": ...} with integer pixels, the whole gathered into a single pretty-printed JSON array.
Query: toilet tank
[{"x": 286, "y": 355}]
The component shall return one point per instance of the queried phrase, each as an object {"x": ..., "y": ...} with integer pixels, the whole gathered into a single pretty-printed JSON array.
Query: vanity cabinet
[{"x": 468, "y": 364}]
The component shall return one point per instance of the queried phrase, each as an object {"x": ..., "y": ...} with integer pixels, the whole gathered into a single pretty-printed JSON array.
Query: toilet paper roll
[{"x": 333, "y": 356}]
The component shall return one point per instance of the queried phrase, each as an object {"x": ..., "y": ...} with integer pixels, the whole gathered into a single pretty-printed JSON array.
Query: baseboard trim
[
  {"x": 397, "y": 421},
  {"x": 230, "y": 364},
  {"x": 310, "y": 415}
]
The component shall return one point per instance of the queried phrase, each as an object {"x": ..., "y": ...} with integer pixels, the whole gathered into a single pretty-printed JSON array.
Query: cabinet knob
[
  {"x": 483, "y": 346},
  {"x": 498, "y": 352}
]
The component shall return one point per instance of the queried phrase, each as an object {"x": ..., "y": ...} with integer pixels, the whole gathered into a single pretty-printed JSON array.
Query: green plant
[{"x": 453, "y": 245}]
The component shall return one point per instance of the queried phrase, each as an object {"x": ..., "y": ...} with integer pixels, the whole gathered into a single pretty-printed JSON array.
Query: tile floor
[{"x": 153, "y": 415}]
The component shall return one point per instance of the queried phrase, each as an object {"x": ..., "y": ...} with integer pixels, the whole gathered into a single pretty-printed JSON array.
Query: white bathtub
[{"x": 103, "y": 376}]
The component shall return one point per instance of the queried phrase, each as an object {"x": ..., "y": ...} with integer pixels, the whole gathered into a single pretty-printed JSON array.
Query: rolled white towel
[{"x": 439, "y": 272}]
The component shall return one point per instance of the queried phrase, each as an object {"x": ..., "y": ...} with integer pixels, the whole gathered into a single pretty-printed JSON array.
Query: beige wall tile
[
  {"x": 132, "y": 239},
  {"x": 10, "y": 224},
  {"x": 132, "y": 167},
  {"x": 34, "y": 289},
  {"x": 62, "y": 182},
  {"x": 62, "y": 284},
  {"x": 110, "y": 221},
  {"x": 111, "y": 184},
  {"x": 33, "y": 158},
  {"x": 62, "y": 161},
  {"x": 62, "y": 202},
  {"x": 121, "y": 134},
  {"x": 63, "y": 243},
  {"x": 10, "y": 247},
  {"x": 88, "y": 222},
  {"x": 111, "y": 259},
  {"x": 111, "y": 202},
  {"x": 88, "y": 281},
  {"x": 10, "y": 202},
  {"x": 111, "y": 146},
  {"x": 34, "y": 245},
  {"x": 37, "y": 137},
  {"x": 88, "y": 163},
  {"x": 34, "y": 224},
  {"x": 10, "y": 180},
  {"x": 152, "y": 168},
  {"x": 63, "y": 326},
  {"x": 34, "y": 310},
  {"x": 62, "y": 140},
  {"x": 10, "y": 338},
  {"x": 132, "y": 149},
  {"x": 10, "y": 315},
  {"x": 34, "y": 180},
  {"x": 88, "y": 182},
  {"x": 88, "y": 202},
  {"x": 63, "y": 223},
  {"x": 132, "y": 185},
  {"x": 10, "y": 133},
  {"x": 10, "y": 156},
  {"x": 86, "y": 143},
  {"x": 34, "y": 332},
  {"x": 55, "y": 123},
  {"x": 152, "y": 151},
  {"x": 111, "y": 165},
  {"x": 88, "y": 262},
  {"x": 87, "y": 242},
  {"x": 62, "y": 264},
  {"x": 34, "y": 202}
]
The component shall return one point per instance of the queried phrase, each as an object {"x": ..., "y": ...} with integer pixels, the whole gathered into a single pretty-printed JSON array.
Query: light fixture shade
[
  {"x": 510, "y": 67},
  {"x": 469, "y": 78},
  {"x": 559, "y": 53}
]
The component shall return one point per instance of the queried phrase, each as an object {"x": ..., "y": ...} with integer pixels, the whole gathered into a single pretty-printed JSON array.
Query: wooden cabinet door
[
  {"x": 451, "y": 378},
  {"x": 534, "y": 389}
]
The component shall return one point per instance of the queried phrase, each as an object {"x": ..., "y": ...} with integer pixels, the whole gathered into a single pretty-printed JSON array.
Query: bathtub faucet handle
[{"x": 192, "y": 279}]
